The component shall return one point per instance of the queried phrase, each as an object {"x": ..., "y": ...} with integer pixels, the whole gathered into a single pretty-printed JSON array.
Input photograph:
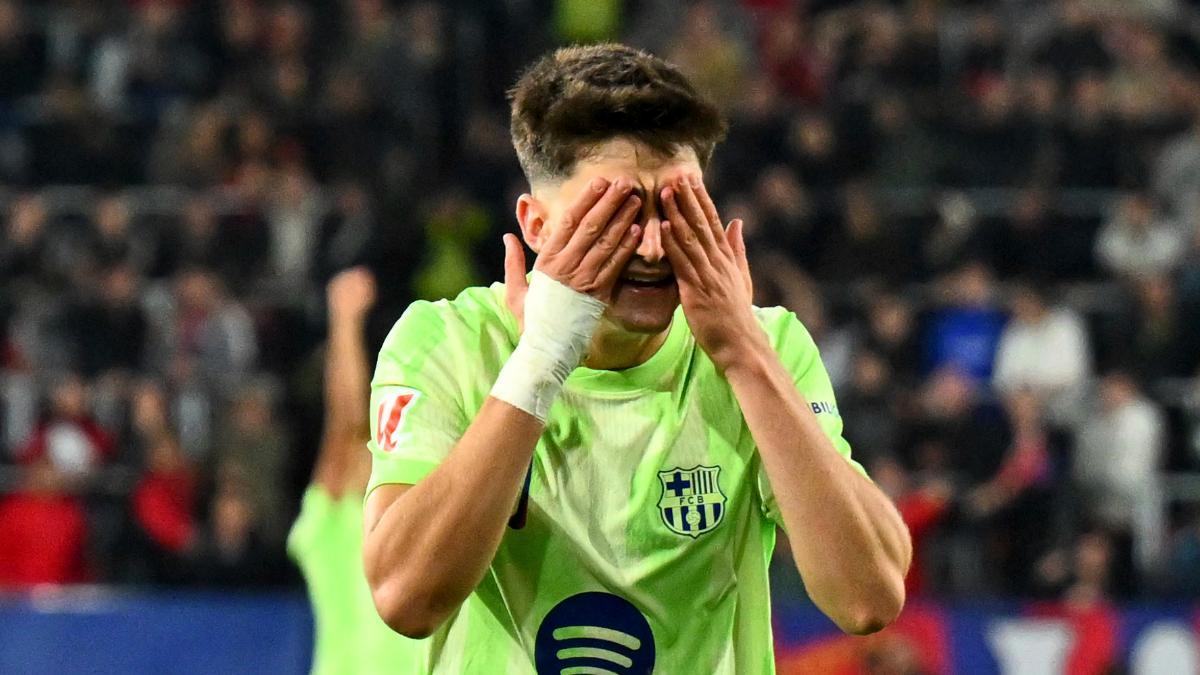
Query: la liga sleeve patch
[{"x": 391, "y": 416}]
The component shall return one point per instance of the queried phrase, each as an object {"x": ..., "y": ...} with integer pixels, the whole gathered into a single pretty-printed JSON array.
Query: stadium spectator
[
  {"x": 232, "y": 551},
  {"x": 44, "y": 530},
  {"x": 1012, "y": 507},
  {"x": 109, "y": 332},
  {"x": 24, "y": 244},
  {"x": 23, "y": 54},
  {"x": 163, "y": 505},
  {"x": 209, "y": 333},
  {"x": 862, "y": 246},
  {"x": 1182, "y": 568},
  {"x": 1177, "y": 172},
  {"x": 1137, "y": 241},
  {"x": 1156, "y": 337},
  {"x": 869, "y": 403},
  {"x": 1046, "y": 351},
  {"x": 954, "y": 431},
  {"x": 1117, "y": 460},
  {"x": 891, "y": 331},
  {"x": 964, "y": 332},
  {"x": 1088, "y": 157},
  {"x": 252, "y": 443},
  {"x": 69, "y": 436},
  {"x": 707, "y": 52}
]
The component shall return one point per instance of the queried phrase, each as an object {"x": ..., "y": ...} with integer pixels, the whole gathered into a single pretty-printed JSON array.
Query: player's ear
[{"x": 532, "y": 215}]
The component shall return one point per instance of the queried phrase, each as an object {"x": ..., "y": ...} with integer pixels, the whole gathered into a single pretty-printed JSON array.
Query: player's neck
[{"x": 616, "y": 349}]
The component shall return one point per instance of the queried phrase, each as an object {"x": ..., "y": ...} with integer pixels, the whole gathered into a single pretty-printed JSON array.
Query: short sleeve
[
  {"x": 416, "y": 406},
  {"x": 802, "y": 358}
]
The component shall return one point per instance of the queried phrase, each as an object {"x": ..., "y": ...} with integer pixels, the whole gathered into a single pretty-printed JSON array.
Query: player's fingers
[
  {"x": 613, "y": 267},
  {"x": 681, "y": 264},
  {"x": 689, "y": 203},
  {"x": 614, "y": 235},
  {"x": 710, "y": 213},
  {"x": 737, "y": 243},
  {"x": 591, "y": 193},
  {"x": 515, "y": 284},
  {"x": 597, "y": 219},
  {"x": 685, "y": 237},
  {"x": 514, "y": 263}
]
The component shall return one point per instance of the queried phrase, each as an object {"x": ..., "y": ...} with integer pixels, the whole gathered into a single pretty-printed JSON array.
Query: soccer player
[
  {"x": 582, "y": 470},
  {"x": 326, "y": 540}
]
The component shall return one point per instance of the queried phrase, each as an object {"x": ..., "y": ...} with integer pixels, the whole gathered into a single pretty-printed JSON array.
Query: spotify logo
[{"x": 594, "y": 634}]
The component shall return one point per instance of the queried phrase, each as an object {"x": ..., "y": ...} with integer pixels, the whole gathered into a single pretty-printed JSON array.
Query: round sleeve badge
[{"x": 596, "y": 633}]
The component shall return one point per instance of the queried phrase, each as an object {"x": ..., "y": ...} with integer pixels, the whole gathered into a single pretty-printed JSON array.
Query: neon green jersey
[
  {"x": 350, "y": 638},
  {"x": 650, "y": 518}
]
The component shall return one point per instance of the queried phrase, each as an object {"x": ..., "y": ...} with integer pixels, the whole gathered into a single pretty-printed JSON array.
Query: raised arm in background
[{"x": 343, "y": 463}]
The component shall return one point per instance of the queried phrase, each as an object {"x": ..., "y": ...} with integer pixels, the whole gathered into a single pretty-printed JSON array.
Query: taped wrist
[{"x": 559, "y": 323}]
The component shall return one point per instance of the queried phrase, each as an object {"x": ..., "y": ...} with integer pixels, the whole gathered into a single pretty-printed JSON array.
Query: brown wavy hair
[{"x": 575, "y": 98}]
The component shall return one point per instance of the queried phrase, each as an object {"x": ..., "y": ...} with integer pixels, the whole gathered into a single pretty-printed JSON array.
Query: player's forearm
[
  {"x": 344, "y": 463},
  {"x": 347, "y": 384},
  {"x": 849, "y": 543},
  {"x": 431, "y": 547}
]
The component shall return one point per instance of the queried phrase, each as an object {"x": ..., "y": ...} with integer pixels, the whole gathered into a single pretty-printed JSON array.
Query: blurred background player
[{"x": 326, "y": 540}]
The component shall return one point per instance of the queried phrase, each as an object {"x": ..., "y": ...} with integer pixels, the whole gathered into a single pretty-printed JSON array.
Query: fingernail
[
  {"x": 623, "y": 185},
  {"x": 666, "y": 193},
  {"x": 598, "y": 184},
  {"x": 694, "y": 180}
]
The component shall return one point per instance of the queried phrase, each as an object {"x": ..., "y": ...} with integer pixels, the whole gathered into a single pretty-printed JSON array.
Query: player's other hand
[
  {"x": 351, "y": 294},
  {"x": 587, "y": 250},
  {"x": 710, "y": 266}
]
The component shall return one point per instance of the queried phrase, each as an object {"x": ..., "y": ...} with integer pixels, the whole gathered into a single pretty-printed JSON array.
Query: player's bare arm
[
  {"x": 849, "y": 543},
  {"x": 419, "y": 563},
  {"x": 342, "y": 465}
]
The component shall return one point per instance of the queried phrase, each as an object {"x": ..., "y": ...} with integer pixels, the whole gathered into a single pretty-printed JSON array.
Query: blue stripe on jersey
[
  {"x": 683, "y": 521},
  {"x": 703, "y": 524}
]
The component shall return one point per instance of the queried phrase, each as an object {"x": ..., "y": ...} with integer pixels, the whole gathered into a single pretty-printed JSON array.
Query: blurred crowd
[{"x": 987, "y": 213}]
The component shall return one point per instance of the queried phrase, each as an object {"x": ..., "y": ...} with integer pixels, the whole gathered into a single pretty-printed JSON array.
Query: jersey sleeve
[
  {"x": 802, "y": 358},
  {"x": 416, "y": 405}
]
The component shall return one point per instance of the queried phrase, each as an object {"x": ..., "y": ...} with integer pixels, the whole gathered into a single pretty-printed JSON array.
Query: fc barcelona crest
[{"x": 692, "y": 502}]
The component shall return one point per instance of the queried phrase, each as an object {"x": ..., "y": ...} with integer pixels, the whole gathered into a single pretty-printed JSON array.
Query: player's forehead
[{"x": 645, "y": 165}]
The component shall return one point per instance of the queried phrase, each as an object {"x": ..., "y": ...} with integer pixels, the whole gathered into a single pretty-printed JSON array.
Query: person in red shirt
[
  {"x": 43, "y": 530},
  {"x": 922, "y": 506},
  {"x": 69, "y": 436},
  {"x": 164, "y": 500}
]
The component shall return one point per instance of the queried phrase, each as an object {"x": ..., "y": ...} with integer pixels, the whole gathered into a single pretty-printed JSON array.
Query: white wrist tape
[{"x": 559, "y": 323}]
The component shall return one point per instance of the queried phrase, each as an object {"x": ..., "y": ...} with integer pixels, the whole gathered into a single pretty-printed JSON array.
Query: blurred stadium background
[{"x": 988, "y": 213}]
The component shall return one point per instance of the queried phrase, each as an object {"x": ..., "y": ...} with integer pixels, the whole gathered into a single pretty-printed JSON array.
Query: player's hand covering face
[
  {"x": 710, "y": 264},
  {"x": 588, "y": 249}
]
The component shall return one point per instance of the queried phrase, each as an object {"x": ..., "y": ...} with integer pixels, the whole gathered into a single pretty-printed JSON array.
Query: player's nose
[{"x": 650, "y": 249}]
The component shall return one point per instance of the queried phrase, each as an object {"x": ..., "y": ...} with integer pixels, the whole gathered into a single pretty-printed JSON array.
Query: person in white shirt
[
  {"x": 1117, "y": 458},
  {"x": 1045, "y": 350},
  {"x": 1137, "y": 241}
]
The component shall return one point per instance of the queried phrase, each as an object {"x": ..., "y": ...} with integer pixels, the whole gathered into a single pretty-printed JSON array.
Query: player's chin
[{"x": 644, "y": 308}]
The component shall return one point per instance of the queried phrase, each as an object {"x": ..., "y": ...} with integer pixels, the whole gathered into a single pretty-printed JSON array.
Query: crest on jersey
[
  {"x": 391, "y": 416},
  {"x": 692, "y": 502}
]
